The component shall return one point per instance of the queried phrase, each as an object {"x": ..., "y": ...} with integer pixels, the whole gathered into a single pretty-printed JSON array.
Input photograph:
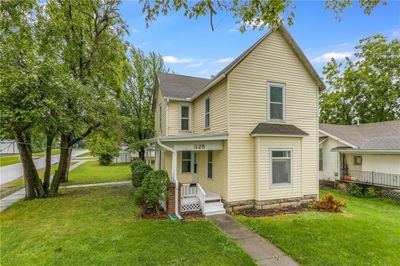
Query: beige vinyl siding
[
  {"x": 350, "y": 161},
  {"x": 265, "y": 189},
  {"x": 174, "y": 124},
  {"x": 330, "y": 159},
  {"x": 272, "y": 61},
  {"x": 218, "y": 110},
  {"x": 163, "y": 103},
  {"x": 381, "y": 163}
]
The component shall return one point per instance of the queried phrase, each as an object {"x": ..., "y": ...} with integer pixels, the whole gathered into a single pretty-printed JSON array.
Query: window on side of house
[
  {"x": 358, "y": 160},
  {"x": 210, "y": 164},
  {"x": 281, "y": 166},
  {"x": 160, "y": 119},
  {"x": 207, "y": 112},
  {"x": 321, "y": 160},
  {"x": 186, "y": 161},
  {"x": 185, "y": 117},
  {"x": 276, "y": 101}
]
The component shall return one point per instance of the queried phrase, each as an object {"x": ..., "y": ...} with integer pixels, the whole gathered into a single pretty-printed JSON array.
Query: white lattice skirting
[{"x": 190, "y": 205}]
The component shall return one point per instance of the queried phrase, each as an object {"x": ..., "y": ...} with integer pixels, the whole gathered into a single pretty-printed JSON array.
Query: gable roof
[
  {"x": 189, "y": 88},
  {"x": 269, "y": 129},
  {"x": 372, "y": 136},
  {"x": 179, "y": 86}
]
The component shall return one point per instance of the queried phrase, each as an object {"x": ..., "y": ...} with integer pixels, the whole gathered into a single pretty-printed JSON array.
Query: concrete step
[{"x": 214, "y": 208}]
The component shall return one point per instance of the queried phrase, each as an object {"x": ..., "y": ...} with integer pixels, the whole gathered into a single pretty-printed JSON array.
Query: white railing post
[{"x": 201, "y": 195}]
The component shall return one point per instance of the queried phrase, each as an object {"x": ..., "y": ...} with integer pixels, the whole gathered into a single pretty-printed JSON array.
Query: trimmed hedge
[{"x": 139, "y": 174}]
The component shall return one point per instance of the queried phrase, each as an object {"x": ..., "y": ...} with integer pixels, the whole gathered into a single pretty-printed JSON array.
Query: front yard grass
[
  {"x": 366, "y": 233},
  {"x": 93, "y": 172},
  {"x": 98, "y": 226}
]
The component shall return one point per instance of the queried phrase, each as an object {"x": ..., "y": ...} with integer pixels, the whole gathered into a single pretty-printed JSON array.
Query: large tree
[
  {"x": 137, "y": 98},
  {"x": 364, "y": 88},
  {"x": 247, "y": 13}
]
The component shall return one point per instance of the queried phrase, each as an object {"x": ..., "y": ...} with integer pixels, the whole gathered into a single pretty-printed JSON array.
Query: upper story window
[
  {"x": 281, "y": 164},
  {"x": 185, "y": 117},
  {"x": 276, "y": 101},
  {"x": 207, "y": 112},
  {"x": 160, "y": 120}
]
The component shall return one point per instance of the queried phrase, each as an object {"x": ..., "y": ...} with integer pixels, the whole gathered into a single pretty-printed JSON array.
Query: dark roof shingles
[
  {"x": 179, "y": 86},
  {"x": 277, "y": 129}
]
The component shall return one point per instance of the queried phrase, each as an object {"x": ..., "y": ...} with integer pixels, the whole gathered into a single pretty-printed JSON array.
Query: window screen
[
  {"x": 276, "y": 102},
  {"x": 207, "y": 113},
  {"x": 281, "y": 167},
  {"x": 186, "y": 161},
  {"x": 184, "y": 117}
]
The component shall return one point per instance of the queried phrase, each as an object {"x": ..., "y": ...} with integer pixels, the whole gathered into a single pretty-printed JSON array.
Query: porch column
[{"x": 157, "y": 159}]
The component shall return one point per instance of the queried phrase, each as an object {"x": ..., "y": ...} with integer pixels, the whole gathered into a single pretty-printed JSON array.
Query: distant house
[
  {"x": 8, "y": 147},
  {"x": 246, "y": 138},
  {"x": 366, "y": 153}
]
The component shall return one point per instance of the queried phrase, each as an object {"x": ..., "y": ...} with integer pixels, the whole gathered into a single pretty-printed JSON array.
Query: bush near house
[
  {"x": 154, "y": 189},
  {"x": 139, "y": 173},
  {"x": 329, "y": 203}
]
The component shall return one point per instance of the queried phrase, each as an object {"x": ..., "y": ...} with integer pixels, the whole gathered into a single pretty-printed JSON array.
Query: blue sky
[{"x": 190, "y": 47}]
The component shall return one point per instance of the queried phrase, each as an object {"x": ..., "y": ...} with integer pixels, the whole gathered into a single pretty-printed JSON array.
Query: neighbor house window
[
  {"x": 210, "y": 164},
  {"x": 321, "y": 160},
  {"x": 276, "y": 101},
  {"x": 357, "y": 160},
  {"x": 207, "y": 113},
  {"x": 185, "y": 117},
  {"x": 281, "y": 161},
  {"x": 186, "y": 161}
]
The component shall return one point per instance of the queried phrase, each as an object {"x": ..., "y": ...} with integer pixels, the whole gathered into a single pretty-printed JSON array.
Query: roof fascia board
[
  {"x": 323, "y": 141},
  {"x": 338, "y": 139},
  {"x": 370, "y": 151},
  {"x": 277, "y": 135},
  {"x": 177, "y": 99}
]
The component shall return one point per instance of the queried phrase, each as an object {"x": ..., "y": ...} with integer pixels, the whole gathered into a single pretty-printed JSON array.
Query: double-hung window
[
  {"x": 276, "y": 101},
  {"x": 281, "y": 166},
  {"x": 321, "y": 160},
  {"x": 210, "y": 164},
  {"x": 207, "y": 112},
  {"x": 186, "y": 161},
  {"x": 185, "y": 117},
  {"x": 160, "y": 120}
]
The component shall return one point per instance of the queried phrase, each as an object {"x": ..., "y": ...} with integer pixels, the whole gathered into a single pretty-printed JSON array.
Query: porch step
[{"x": 214, "y": 208}]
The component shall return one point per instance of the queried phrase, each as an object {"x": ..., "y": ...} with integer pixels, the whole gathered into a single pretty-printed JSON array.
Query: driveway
[{"x": 11, "y": 172}]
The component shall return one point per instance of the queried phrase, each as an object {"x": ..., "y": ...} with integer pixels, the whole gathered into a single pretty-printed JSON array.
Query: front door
[{"x": 195, "y": 161}]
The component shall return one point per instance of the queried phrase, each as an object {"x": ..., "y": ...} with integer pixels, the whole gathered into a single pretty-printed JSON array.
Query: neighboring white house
[
  {"x": 366, "y": 153},
  {"x": 8, "y": 147}
]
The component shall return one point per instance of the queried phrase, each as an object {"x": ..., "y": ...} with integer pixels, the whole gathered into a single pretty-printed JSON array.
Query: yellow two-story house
[{"x": 248, "y": 137}]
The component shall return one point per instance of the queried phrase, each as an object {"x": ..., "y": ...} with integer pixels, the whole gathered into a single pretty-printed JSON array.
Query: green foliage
[
  {"x": 370, "y": 192},
  {"x": 365, "y": 88},
  {"x": 139, "y": 174},
  {"x": 105, "y": 159},
  {"x": 247, "y": 14},
  {"x": 135, "y": 163},
  {"x": 153, "y": 190},
  {"x": 356, "y": 191},
  {"x": 329, "y": 203},
  {"x": 104, "y": 146}
]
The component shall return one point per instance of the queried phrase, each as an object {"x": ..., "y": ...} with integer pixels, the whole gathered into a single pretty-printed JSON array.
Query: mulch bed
[
  {"x": 192, "y": 215},
  {"x": 150, "y": 214},
  {"x": 252, "y": 212}
]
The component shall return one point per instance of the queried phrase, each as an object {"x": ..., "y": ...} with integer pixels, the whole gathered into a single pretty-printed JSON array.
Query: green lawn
[
  {"x": 12, "y": 159},
  {"x": 93, "y": 172},
  {"x": 98, "y": 226},
  {"x": 367, "y": 233}
]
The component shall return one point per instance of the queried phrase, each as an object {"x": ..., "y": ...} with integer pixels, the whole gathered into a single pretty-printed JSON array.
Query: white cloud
[
  {"x": 224, "y": 60},
  {"x": 396, "y": 33},
  {"x": 344, "y": 44},
  {"x": 195, "y": 65},
  {"x": 254, "y": 23},
  {"x": 233, "y": 30},
  {"x": 328, "y": 56},
  {"x": 169, "y": 59}
]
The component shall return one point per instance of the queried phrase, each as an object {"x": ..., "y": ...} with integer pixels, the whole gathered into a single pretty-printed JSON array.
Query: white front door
[{"x": 195, "y": 161}]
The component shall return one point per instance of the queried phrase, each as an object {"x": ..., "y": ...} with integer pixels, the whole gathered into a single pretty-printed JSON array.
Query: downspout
[{"x": 174, "y": 156}]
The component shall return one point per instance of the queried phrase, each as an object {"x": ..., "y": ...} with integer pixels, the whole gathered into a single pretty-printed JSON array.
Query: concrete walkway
[
  {"x": 11, "y": 172},
  {"x": 260, "y": 249},
  {"x": 20, "y": 194}
]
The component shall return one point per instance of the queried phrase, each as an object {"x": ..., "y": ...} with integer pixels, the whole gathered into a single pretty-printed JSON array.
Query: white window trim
[
  {"x": 212, "y": 166},
  {"x": 291, "y": 168},
  {"x": 181, "y": 161},
  {"x": 189, "y": 119},
  {"x": 283, "y": 86},
  {"x": 209, "y": 112}
]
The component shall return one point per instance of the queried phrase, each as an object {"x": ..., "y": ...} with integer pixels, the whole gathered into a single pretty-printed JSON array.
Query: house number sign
[{"x": 199, "y": 146}]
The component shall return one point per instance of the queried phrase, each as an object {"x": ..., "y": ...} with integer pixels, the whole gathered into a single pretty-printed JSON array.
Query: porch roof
[
  {"x": 191, "y": 137},
  {"x": 280, "y": 130}
]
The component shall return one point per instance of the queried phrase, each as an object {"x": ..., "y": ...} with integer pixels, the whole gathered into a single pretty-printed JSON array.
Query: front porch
[{"x": 194, "y": 198}]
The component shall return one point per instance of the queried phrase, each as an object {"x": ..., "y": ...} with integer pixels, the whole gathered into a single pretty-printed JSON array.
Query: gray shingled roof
[
  {"x": 179, "y": 86},
  {"x": 372, "y": 136},
  {"x": 277, "y": 129}
]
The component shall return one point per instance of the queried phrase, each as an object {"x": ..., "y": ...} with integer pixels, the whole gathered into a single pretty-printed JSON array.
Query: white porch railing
[
  {"x": 201, "y": 195},
  {"x": 192, "y": 197}
]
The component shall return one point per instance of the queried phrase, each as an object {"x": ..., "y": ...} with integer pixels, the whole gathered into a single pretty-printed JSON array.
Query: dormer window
[
  {"x": 185, "y": 117},
  {"x": 276, "y": 110}
]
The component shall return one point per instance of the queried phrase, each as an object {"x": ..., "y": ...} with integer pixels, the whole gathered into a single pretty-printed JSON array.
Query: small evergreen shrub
[
  {"x": 356, "y": 191},
  {"x": 154, "y": 189},
  {"x": 139, "y": 174},
  {"x": 329, "y": 203},
  {"x": 105, "y": 159},
  {"x": 135, "y": 163},
  {"x": 371, "y": 192}
]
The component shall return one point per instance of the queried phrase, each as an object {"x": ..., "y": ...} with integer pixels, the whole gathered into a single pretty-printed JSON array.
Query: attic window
[{"x": 276, "y": 101}]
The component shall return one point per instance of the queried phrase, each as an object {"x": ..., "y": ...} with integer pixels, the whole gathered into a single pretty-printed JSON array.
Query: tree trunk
[
  {"x": 46, "y": 178},
  {"x": 141, "y": 154},
  {"x": 62, "y": 165},
  {"x": 33, "y": 185},
  {"x": 64, "y": 178}
]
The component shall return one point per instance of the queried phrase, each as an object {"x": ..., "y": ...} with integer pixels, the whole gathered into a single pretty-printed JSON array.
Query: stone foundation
[{"x": 269, "y": 204}]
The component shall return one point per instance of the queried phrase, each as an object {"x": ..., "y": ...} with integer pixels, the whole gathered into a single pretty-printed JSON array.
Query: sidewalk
[{"x": 260, "y": 249}]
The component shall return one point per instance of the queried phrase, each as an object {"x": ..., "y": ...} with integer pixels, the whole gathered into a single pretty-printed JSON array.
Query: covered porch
[{"x": 192, "y": 163}]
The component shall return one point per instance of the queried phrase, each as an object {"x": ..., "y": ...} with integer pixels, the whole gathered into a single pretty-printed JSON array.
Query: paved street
[{"x": 11, "y": 172}]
